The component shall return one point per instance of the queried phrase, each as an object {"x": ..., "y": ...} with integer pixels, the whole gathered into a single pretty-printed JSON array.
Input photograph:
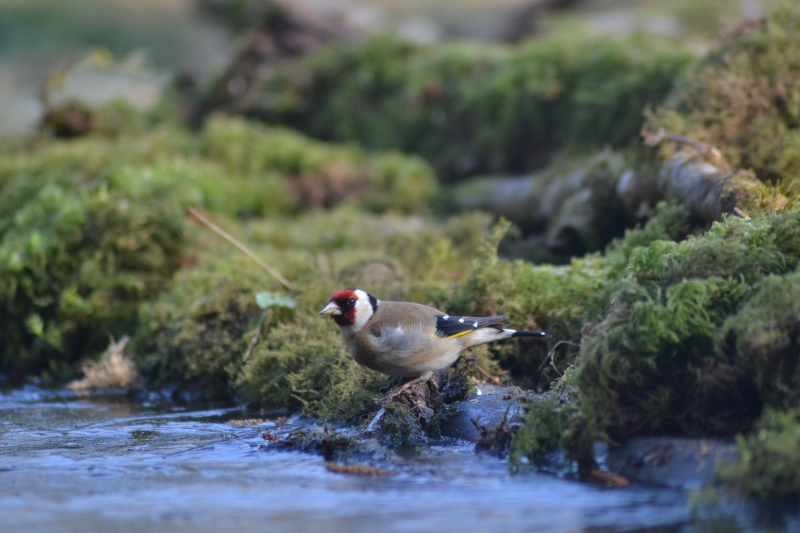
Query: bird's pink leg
[{"x": 423, "y": 378}]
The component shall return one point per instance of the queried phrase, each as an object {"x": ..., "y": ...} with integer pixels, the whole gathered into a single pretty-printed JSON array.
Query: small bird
[{"x": 407, "y": 339}]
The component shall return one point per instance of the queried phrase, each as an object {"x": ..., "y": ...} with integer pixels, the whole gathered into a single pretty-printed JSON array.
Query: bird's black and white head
[{"x": 351, "y": 308}]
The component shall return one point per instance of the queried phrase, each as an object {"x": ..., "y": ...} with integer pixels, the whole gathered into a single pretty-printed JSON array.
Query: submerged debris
[
  {"x": 331, "y": 444},
  {"x": 359, "y": 470}
]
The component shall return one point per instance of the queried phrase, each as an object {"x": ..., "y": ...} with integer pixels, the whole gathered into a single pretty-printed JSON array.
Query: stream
[{"x": 110, "y": 463}]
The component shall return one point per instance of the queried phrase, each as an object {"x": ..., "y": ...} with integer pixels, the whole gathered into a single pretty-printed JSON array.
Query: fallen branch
[{"x": 551, "y": 356}]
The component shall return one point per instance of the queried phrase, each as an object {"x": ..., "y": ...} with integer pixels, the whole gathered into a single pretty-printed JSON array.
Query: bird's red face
[
  {"x": 345, "y": 300},
  {"x": 350, "y": 307}
]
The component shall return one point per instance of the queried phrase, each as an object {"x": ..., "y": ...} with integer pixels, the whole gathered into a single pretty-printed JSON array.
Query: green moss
[
  {"x": 73, "y": 119},
  {"x": 195, "y": 336},
  {"x": 557, "y": 299},
  {"x": 94, "y": 226},
  {"x": 676, "y": 352},
  {"x": 305, "y": 173},
  {"x": 76, "y": 256},
  {"x": 744, "y": 99},
  {"x": 764, "y": 335},
  {"x": 472, "y": 108},
  {"x": 306, "y": 365},
  {"x": 550, "y": 425},
  {"x": 769, "y": 464}
]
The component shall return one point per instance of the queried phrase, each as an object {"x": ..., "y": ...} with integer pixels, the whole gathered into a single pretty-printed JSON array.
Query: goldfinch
[{"x": 407, "y": 339}]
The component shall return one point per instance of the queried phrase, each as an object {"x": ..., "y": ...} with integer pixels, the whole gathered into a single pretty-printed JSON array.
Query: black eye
[{"x": 352, "y": 301}]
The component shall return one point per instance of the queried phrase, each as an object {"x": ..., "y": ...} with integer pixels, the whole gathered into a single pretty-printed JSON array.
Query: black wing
[{"x": 454, "y": 326}]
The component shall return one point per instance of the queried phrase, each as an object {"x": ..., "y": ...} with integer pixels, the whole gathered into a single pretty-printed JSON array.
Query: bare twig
[
  {"x": 551, "y": 355},
  {"x": 254, "y": 340},
  {"x": 511, "y": 402},
  {"x": 741, "y": 214},
  {"x": 225, "y": 235},
  {"x": 654, "y": 139}
]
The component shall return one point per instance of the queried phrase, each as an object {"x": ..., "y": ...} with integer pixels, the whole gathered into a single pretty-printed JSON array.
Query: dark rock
[
  {"x": 676, "y": 462},
  {"x": 485, "y": 410}
]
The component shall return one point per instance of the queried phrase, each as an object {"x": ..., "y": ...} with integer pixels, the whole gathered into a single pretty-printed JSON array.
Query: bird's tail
[
  {"x": 538, "y": 334},
  {"x": 484, "y": 335}
]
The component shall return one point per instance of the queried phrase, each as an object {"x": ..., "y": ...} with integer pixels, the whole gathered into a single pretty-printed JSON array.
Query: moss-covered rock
[
  {"x": 678, "y": 350},
  {"x": 285, "y": 171},
  {"x": 552, "y": 437},
  {"x": 76, "y": 256},
  {"x": 744, "y": 99},
  {"x": 305, "y": 365},
  {"x": 768, "y": 468},
  {"x": 467, "y": 107}
]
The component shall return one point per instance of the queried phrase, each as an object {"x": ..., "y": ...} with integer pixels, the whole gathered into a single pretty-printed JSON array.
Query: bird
[{"x": 410, "y": 340}]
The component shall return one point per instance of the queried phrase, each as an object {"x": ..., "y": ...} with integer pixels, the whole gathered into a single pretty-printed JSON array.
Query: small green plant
[{"x": 768, "y": 467}]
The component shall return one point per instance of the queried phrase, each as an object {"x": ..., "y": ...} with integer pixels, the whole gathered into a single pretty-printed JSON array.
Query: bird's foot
[{"x": 403, "y": 388}]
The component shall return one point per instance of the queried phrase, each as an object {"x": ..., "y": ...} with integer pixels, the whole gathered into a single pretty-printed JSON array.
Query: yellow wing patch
[{"x": 459, "y": 334}]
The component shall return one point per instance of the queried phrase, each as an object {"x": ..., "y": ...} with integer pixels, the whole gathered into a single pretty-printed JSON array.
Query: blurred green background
[{"x": 198, "y": 37}]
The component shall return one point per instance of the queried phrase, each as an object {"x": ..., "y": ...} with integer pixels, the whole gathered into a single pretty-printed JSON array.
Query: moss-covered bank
[
  {"x": 93, "y": 226},
  {"x": 674, "y": 328},
  {"x": 201, "y": 327},
  {"x": 467, "y": 107},
  {"x": 701, "y": 334},
  {"x": 744, "y": 99}
]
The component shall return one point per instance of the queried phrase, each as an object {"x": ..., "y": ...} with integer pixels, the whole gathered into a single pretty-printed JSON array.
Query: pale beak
[{"x": 331, "y": 309}]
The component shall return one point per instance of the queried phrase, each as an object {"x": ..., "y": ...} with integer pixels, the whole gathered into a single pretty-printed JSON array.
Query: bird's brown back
[{"x": 403, "y": 314}]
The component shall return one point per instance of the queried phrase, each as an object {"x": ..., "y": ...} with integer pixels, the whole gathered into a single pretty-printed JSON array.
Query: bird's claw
[{"x": 403, "y": 388}]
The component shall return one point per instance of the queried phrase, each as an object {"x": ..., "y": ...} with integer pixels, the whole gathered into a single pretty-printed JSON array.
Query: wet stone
[{"x": 671, "y": 461}]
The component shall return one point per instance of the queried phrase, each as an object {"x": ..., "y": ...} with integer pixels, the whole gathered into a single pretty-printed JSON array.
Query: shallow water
[{"x": 70, "y": 464}]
